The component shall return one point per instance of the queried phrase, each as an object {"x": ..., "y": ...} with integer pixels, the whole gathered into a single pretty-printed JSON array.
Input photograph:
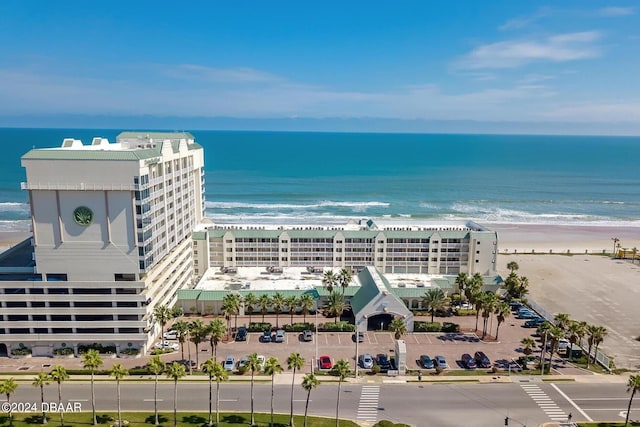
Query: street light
[{"x": 316, "y": 337}]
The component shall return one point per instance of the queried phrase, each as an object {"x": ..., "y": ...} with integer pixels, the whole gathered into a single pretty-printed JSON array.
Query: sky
[{"x": 574, "y": 63}]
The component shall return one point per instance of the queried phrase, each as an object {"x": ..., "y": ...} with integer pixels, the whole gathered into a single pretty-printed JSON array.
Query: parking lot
[{"x": 337, "y": 345}]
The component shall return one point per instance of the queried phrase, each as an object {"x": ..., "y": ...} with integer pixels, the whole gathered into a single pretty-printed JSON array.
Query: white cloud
[
  {"x": 616, "y": 11},
  {"x": 221, "y": 75},
  {"x": 524, "y": 21},
  {"x": 596, "y": 112},
  {"x": 516, "y": 53},
  {"x": 534, "y": 78}
]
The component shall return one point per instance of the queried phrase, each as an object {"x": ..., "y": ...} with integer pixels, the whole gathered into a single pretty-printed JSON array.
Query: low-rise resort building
[{"x": 118, "y": 230}]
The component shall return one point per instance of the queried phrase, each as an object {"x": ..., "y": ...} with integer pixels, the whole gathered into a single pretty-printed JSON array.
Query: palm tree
[
  {"x": 309, "y": 382},
  {"x": 156, "y": 366},
  {"x": 598, "y": 336},
  {"x": 233, "y": 304},
  {"x": 272, "y": 367},
  {"x": 162, "y": 315},
  {"x": 250, "y": 301},
  {"x": 342, "y": 370},
  {"x": 227, "y": 311},
  {"x": 264, "y": 302},
  {"x": 398, "y": 326},
  {"x": 334, "y": 306},
  {"x": 461, "y": 282},
  {"x": 503, "y": 311},
  {"x": 41, "y": 380},
  {"x": 544, "y": 333},
  {"x": 295, "y": 362},
  {"x": 344, "y": 278},
  {"x": 528, "y": 344},
  {"x": 291, "y": 303},
  {"x": 615, "y": 243},
  {"x": 329, "y": 280},
  {"x": 91, "y": 360},
  {"x": 633, "y": 385},
  {"x": 216, "y": 372},
  {"x": 513, "y": 266},
  {"x": 59, "y": 375},
  {"x": 118, "y": 372},
  {"x": 434, "y": 299},
  {"x": 8, "y": 387},
  {"x": 523, "y": 287},
  {"x": 562, "y": 320},
  {"x": 216, "y": 330},
  {"x": 575, "y": 332},
  {"x": 253, "y": 364},
  {"x": 197, "y": 333},
  {"x": 488, "y": 304},
  {"x": 277, "y": 302},
  {"x": 306, "y": 303},
  {"x": 556, "y": 333},
  {"x": 175, "y": 371},
  {"x": 182, "y": 330}
]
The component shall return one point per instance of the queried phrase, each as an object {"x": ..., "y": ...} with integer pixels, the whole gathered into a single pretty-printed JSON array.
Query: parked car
[
  {"x": 244, "y": 362},
  {"x": 266, "y": 337},
  {"x": 366, "y": 361},
  {"x": 440, "y": 362},
  {"x": 527, "y": 314},
  {"x": 468, "y": 361},
  {"x": 261, "y": 360},
  {"x": 166, "y": 345},
  {"x": 241, "y": 335},
  {"x": 515, "y": 305},
  {"x": 534, "y": 323},
  {"x": 279, "y": 335},
  {"x": 307, "y": 335},
  {"x": 325, "y": 362},
  {"x": 426, "y": 361},
  {"x": 170, "y": 335},
  {"x": 229, "y": 363},
  {"x": 360, "y": 337},
  {"x": 382, "y": 360},
  {"x": 482, "y": 360}
]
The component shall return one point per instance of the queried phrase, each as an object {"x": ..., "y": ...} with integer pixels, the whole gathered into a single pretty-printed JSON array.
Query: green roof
[
  {"x": 367, "y": 291},
  {"x": 348, "y": 292},
  {"x": 188, "y": 294},
  {"x": 255, "y": 233},
  {"x": 409, "y": 292},
  {"x": 199, "y": 235}
]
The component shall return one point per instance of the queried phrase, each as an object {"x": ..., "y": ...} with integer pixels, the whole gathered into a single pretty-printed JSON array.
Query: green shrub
[
  {"x": 298, "y": 327},
  {"x": 158, "y": 351},
  {"x": 450, "y": 327},
  {"x": 63, "y": 351},
  {"x": 130, "y": 351},
  {"x": 466, "y": 312},
  {"x": 102, "y": 349},
  {"x": 427, "y": 326},
  {"x": 341, "y": 326},
  {"x": 385, "y": 423},
  {"x": 22, "y": 351},
  {"x": 259, "y": 326},
  {"x": 420, "y": 312}
]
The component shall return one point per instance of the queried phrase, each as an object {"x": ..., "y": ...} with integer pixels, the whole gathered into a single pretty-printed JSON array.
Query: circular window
[{"x": 83, "y": 215}]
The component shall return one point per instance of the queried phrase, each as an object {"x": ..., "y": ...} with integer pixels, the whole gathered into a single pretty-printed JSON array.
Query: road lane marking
[
  {"x": 151, "y": 400},
  {"x": 544, "y": 402},
  {"x": 368, "y": 404},
  {"x": 584, "y": 414}
]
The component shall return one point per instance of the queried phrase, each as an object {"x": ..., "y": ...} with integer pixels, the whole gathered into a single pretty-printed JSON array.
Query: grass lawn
[{"x": 197, "y": 419}]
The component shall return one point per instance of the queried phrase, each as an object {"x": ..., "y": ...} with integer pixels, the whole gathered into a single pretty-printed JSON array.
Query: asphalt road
[{"x": 449, "y": 404}]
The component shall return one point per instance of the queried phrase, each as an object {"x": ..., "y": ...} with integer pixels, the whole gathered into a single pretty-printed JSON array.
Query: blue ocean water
[{"x": 330, "y": 177}]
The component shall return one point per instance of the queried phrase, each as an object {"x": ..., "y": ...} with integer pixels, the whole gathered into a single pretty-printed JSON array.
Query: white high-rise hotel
[{"x": 111, "y": 240}]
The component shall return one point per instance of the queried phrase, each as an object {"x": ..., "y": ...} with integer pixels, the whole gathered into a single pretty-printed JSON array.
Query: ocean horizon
[{"x": 329, "y": 178}]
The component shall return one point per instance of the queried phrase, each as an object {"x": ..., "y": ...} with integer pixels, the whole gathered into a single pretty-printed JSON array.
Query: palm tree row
[
  {"x": 175, "y": 371},
  {"x": 574, "y": 331}
]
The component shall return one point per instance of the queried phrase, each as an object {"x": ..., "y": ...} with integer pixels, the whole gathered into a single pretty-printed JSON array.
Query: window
[
  {"x": 60, "y": 318},
  {"x": 37, "y": 304},
  {"x": 59, "y": 304},
  {"x": 39, "y": 317}
]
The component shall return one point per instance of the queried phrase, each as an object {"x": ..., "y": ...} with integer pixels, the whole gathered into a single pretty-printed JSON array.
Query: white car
[
  {"x": 230, "y": 363},
  {"x": 170, "y": 335},
  {"x": 166, "y": 345},
  {"x": 261, "y": 360}
]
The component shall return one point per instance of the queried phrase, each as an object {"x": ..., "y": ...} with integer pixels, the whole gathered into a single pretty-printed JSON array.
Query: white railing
[{"x": 79, "y": 186}]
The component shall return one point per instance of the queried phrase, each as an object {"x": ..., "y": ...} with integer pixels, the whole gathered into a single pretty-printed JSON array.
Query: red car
[{"x": 325, "y": 362}]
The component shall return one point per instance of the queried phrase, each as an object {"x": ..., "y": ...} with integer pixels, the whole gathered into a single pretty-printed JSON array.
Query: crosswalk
[
  {"x": 545, "y": 403},
  {"x": 368, "y": 406}
]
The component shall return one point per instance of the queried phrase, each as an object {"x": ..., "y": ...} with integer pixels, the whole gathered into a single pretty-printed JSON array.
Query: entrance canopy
[{"x": 374, "y": 298}]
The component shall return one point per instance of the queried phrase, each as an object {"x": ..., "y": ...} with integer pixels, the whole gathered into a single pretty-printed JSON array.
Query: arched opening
[
  {"x": 379, "y": 321},
  {"x": 3, "y": 350}
]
